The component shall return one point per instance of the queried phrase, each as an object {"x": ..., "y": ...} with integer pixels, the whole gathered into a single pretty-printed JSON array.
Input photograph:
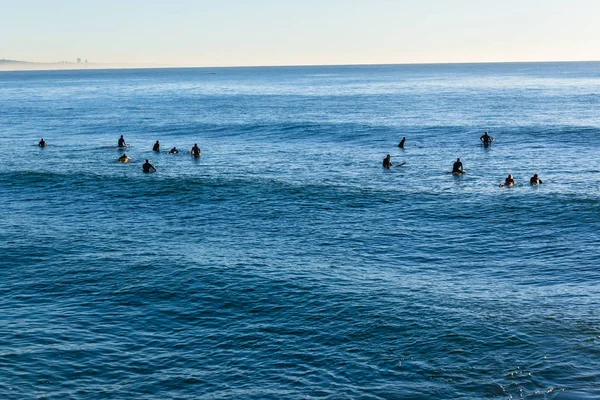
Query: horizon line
[{"x": 71, "y": 65}]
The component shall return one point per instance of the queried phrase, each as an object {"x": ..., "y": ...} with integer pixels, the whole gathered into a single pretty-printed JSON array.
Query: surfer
[
  {"x": 173, "y": 151},
  {"x": 147, "y": 167},
  {"x": 457, "y": 167},
  {"x": 535, "y": 180},
  {"x": 124, "y": 158},
  {"x": 486, "y": 139},
  {"x": 196, "y": 150},
  {"x": 508, "y": 182},
  {"x": 387, "y": 162},
  {"x": 401, "y": 144},
  {"x": 156, "y": 146},
  {"x": 42, "y": 143},
  {"x": 122, "y": 142}
]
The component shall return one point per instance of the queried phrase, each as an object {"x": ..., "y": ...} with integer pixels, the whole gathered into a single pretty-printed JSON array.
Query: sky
[{"x": 299, "y": 32}]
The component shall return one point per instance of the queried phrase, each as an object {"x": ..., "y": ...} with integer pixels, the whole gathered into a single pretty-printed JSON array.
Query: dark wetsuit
[
  {"x": 196, "y": 151},
  {"x": 387, "y": 163},
  {"x": 42, "y": 143},
  {"x": 535, "y": 181},
  {"x": 156, "y": 147},
  {"x": 486, "y": 139},
  {"x": 457, "y": 167},
  {"x": 173, "y": 151},
  {"x": 122, "y": 142},
  {"x": 401, "y": 144},
  {"x": 147, "y": 167}
]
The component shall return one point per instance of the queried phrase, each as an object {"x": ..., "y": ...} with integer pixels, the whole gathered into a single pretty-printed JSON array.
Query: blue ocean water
[{"x": 286, "y": 263}]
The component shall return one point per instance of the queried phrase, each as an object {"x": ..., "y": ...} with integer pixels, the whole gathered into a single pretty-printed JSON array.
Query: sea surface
[{"x": 286, "y": 263}]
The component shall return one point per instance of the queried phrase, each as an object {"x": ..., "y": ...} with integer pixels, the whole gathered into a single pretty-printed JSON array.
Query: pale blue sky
[{"x": 269, "y": 32}]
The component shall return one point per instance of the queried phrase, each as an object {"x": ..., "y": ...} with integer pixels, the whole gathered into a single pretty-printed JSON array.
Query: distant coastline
[
  {"x": 12, "y": 65},
  {"x": 17, "y": 65}
]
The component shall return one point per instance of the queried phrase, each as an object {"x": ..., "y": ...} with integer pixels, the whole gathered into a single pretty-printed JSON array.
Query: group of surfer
[
  {"x": 457, "y": 167},
  {"x": 510, "y": 181},
  {"x": 195, "y": 150},
  {"x": 147, "y": 166}
]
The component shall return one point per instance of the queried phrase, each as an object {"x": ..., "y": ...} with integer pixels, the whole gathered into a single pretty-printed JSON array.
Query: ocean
[{"x": 286, "y": 263}]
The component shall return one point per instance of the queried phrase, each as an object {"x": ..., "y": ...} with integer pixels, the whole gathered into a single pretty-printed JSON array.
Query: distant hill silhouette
[
  {"x": 8, "y": 65},
  {"x": 17, "y": 65},
  {"x": 4, "y": 61}
]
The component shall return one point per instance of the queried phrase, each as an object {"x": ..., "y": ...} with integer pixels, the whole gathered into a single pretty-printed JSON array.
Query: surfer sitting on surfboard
[
  {"x": 457, "y": 168},
  {"x": 147, "y": 167},
  {"x": 387, "y": 162},
  {"x": 42, "y": 143},
  {"x": 486, "y": 139},
  {"x": 508, "y": 182},
  {"x": 535, "y": 180},
  {"x": 401, "y": 144},
  {"x": 156, "y": 146},
  {"x": 196, "y": 150},
  {"x": 121, "y": 142}
]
